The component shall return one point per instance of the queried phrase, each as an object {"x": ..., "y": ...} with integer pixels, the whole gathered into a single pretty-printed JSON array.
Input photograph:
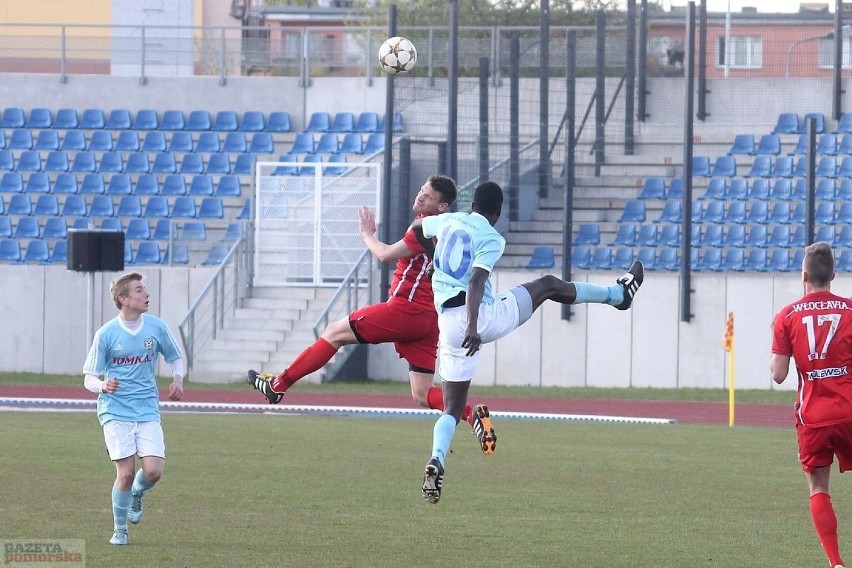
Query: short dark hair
[
  {"x": 819, "y": 263},
  {"x": 446, "y": 186},
  {"x": 488, "y": 198}
]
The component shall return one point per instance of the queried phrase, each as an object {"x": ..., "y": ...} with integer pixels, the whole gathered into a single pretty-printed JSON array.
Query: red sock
[
  {"x": 825, "y": 523},
  {"x": 312, "y": 358},
  {"x": 435, "y": 399}
]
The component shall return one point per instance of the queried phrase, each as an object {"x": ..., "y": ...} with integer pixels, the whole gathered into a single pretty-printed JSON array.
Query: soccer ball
[{"x": 397, "y": 55}]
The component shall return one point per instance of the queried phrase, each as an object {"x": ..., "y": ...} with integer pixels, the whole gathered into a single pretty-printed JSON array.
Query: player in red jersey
[
  {"x": 408, "y": 319},
  {"x": 816, "y": 331}
]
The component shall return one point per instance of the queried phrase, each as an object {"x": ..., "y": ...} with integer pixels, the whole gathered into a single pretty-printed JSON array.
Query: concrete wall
[{"x": 45, "y": 316}]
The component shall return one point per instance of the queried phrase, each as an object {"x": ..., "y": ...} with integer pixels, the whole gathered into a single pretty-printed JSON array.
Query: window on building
[
  {"x": 746, "y": 52},
  {"x": 825, "y": 54}
]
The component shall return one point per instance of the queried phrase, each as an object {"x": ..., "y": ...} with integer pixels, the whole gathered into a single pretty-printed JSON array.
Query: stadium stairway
[{"x": 271, "y": 328}]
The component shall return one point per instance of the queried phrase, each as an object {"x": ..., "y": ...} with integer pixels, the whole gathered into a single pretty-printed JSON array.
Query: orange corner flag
[{"x": 728, "y": 341}]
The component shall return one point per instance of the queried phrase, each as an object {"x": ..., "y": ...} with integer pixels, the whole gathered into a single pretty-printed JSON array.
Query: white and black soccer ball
[{"x": 397, "y": 55}]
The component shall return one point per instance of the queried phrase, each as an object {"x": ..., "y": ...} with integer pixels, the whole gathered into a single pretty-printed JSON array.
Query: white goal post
[{"x": 306, "y": 220}]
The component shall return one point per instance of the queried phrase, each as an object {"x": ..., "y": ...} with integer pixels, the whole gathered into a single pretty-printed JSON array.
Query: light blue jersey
[
  {"x": 465, "y": 241},
  {"x": 131, "y": 357}
]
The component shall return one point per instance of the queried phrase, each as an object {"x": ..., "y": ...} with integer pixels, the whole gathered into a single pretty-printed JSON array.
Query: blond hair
[{"x": 121, "y": 286}]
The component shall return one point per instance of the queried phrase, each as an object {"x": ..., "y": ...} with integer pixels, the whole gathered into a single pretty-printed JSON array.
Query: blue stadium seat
[
  {"x": 825, "y": 190},
  {"x": 580, "y": 257},
  {"x": 845, "y": 168},
  {"x": 701, "y": 166},
  {"x": 779, "y": 237},
  {"x": 228, "y": 186},
  {"x": 111, "y": 224},
  {"x": 20, "y": 204},
  {"x": 194, "y": 231},
  {"x": 74, "y": 206},
  {"x": 156, "y": 206},
  {"x": 74, "y": 140},
  {"x": 148, "y": 252},
  {"x": 318, "y": 122},
  {"x": 825, "y": 233},
  {"x": 761, "y": 167},
  {"x": 59, "y": 253},
  {"x": 147, "y": 184},
  {"x": 217, "y": 254},
  {"x": 819, "y": 122},
  {"x": 27, "y": 228},
  {"x": 208, "y": 142},
  {"x": 712, "y": 212},
  {"x": 2, "y": 139},
  {"x": 653, "y": 188},
  {"x": 252, "y": 121},
  {"x": 844, "y": 237},
  {"x": 102, "y": 206},
  {"x": 668, "y": 259},
  {"x": 246, "y": 212},
  {"x": 233, "y": 232},
  {"x": 137, "y": 163},
  {"x": 10, "y": 250},
  {"x": 173, "y": 184},
  {"x": 163, "y": 229},
  {"x": 647, "y": 235},
  {"x": 55, "y": 228},
  {"x": 92, "y": 119},
  {"x": 38, "y": 182},
  {"x": 146, "y": 119},
  {"x": 710, "y": 259},
  {"x": 634, "y": 211},
  {"x": 181, "y": 142},
  {"x": 769, "y": 144},
  {"x": 801, "y": 146},
  {"x": 235, "y": 142},
  {"x": 669, "y": 235},
  {"x": 648, "y": 257},
  {"x": 40, "y": 118},
  {"x": 13, "y": 117},
  {"x": 201, "y": 185},
  {"x": 787, "y": 123},
  {"x": 716, "y": 189},
  {"x": 845, "y": 124},
  {"x": 218, "y": 164},
  {"x": 622, "y": 258},
  {"x": 672, "y": 212},
  {"x": 128, "y": 252},
  {"x": 601, "y": 259},
  {"x": 737, "y": 190},
  {"x": 47, "y": 140},
  {"x": 303, "y": 143},
  {"x": 743, "y": 145},
  {"x": 827, "y": 144},
  {"x": 101, "y": 140},
  {"x": 369, "y": 122},
  {"x": 118, "y": 119},
  {"x": 65, "y": 183},
  {"x": 192, "y": 164},
  {"x": 824, "y": 214},
  {"x": 286, "y": 169},
  {"x": 184, "y": 207},
  {"x": 279, "y": 121},
  {"x": 261, "y": 143},
  {"x": 20, "y": 139},
  {"x": 173, "y": 120},
  {"x": 37, "y": 251},
  {"x": 758, "y": 190},
  {"x": 625, "y": 235},
  {"x": 198, "y": 120},
  {"x": 56, "y": 161},
  {"x": 783, "y": 167},
  {"x": 179, "y": 254},
  {"x": 733, "y": 260},
  {"x": 375, "y": 143},
  {"x": 336, "y": 170},
  {"x": 225, "y": 121},
  {"x": 725, "y": 166},
  {"x": 798, "y": 213},
  {"x": 129, "y": 206},
  {"x": 781, "y": 190},
  {"x": 843, "y": 263},
  {"x": 83, "y": 224},
  {"x": 93, "y": 184},
  {"x": 66, "y": 118},
  {"x": 397, "y": 124},
  {"x": 827, "y": 167},
  {"x": 735, "y": 212},
  {"x": 343, "y": 122},
  {"x": 797, "y": 237},
  {"x": 845, "y": 146},
  {"x": 711, "y": 236},
  {"x": 11, "y": 182},
  {"x": 307, "y": 169},
  {"x": 111, "y": 162},
  {"x": 353, "y": 143},
  {"x": 164, "y": 163},
  {"x": 755, "y": 260},
  {"x": 155, "y": 141},
  {"x": 244, "y": 164},
  {"x": 329, "y": 143},
  {"x": 587, "y": 234},
  {"x": 779, "y": 213},
  {"x": 138, "y": 229},
  {"x": 119, "y": 184},
  {"x": 29, "y": 161},
  {"x": 734, "y": 236},
  {"x": 844, "y": 213},
  {"x": 796, "y": 260}
]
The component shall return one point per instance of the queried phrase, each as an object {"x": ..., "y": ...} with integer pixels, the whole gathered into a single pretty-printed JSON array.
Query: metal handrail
[{"x": 350, "y": 288}]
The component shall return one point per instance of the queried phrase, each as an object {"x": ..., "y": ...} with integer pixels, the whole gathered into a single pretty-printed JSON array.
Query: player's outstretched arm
[{"x": 384, "y": 252}]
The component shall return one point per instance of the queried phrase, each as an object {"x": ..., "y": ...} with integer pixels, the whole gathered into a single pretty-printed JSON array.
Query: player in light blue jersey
[
  {"x": 125, "y": 350},
  {"x": 470, "y": 313}
]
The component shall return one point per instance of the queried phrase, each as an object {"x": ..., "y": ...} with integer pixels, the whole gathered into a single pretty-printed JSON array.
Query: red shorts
[
  {"x": 412, "y": 329},
  {"x": 818, "y": 446}
]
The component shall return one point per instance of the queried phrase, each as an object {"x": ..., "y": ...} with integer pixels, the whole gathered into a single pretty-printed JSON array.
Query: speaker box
[{"x": 95, "y": 251}]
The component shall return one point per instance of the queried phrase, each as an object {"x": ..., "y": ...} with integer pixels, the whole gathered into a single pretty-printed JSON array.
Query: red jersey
[
  {"x": 410, "y": 280},
  {"x": 816, "y": 331}
]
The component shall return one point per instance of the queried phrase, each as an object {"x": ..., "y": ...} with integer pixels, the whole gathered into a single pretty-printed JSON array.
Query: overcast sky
[{"x": 766, "y": 6}]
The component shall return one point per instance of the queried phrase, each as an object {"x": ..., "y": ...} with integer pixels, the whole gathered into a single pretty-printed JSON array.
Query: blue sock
[
  {"x": 140, "y": 483},
  {"x": 596, "y": 294},
  {"x": 442, "y": 436},
  {"x": 120, "y": 505}
]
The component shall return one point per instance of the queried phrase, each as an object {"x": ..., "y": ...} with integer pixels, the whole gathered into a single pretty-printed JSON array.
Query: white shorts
[
  {"x": 125, "y": 439},
  {"x": 495, "y": 321}
]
